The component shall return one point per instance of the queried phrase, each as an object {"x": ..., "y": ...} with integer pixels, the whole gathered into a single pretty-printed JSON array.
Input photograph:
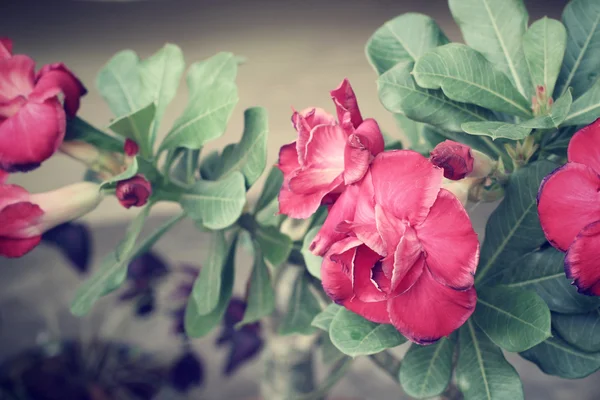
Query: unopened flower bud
[
  {"x": 134, "y": 192},
  {"x": 454, "y": 158},
  {"x": 131, "y": 148}
]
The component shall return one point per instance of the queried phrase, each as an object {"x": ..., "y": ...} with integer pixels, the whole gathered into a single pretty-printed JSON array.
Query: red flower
[
  {"x": 405, "y": 251},
  {"x": 454, "y": 158},
  {"x": 131, "y": 148},
  {"x": 327, "y": 155},
  {"x": 24, "y": 217},
  {"x": 569, "y": 209},
  {"x": 32, "y": 119},
  {"x": 134, "y": 192}
]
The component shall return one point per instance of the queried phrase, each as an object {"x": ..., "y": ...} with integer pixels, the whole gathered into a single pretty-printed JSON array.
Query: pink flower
[
  {"x": 131, "y": 148},
  {"x": 569, "y": 209},
  {"x": 134, "y": 192},
  {"x": 327, "y": 155},
  {"x": 401, "y": 250},
  {"x": 32, "y": 119},
  {"x": 454, "y": 158},
  {"x": 24, "y": 217}
]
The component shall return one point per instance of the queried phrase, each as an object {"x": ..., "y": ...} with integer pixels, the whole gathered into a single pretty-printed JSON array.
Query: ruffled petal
[
  {"x": 371, "y": 136},
  {"x": 304, "y": 121},
  {"x": 6, "y": 46},
  {"x": 408, "y": 262},
  {"x": 11, "y": 194},
  {"x": 310, "y": 180},
  {"x": 568, "y": 200},
  {"x": 56, "y": 78},
  {"x": 11, "y": 107},
  {"x": 375, "y": 312},
  {"x": 16, "y": 77},
  {"x": 32, "y": 135},
  {"x": 288, "y": 159},
  {"x": 582, "y": 263},
  {"x": 302, "y": 206},
  {"x": 430, "y": 311},
  {"x": 342, "y": 210},
  {"x": 20, "y": 220},
  {"x": 345, "y": 102},
  {"x": 584, "y": 147},
  {"x": 356, "y": 159},
  {"x": 13, "y": 248},
  {"x": 406, "y": 184},
  {"x": 451, "y": 244},
  {"x": 325, "y": 148},
  {"x": 363, "y": 282},
  {"x": 3, "y": 176}
]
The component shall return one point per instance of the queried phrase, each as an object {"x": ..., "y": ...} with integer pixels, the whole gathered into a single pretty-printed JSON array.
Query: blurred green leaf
[
  {"x": 303, "y": 306},
  {"x": 136, "y": 126},
  {"x": 271, "y": 189},
  {"x": 580, "y": 330},
  {"x": 275, "y": 246},
  {"x": 78, "y": 129},
  {"x": 313, "y": 262},
  {"x": 324, "y": 318},
  {"x": 586, "y": 108},
  {"x": 497, "y": 129},
  {"x": 261, "y": 296},
  {"x": 207, "y": 288}
]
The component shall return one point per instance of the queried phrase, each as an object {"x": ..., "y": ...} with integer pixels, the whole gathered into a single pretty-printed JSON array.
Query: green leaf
[
  {"x": 515, "y": 320},
  {"x": 404, "y": 38},
  {"x": 131, "y": 234},
  {"x": 497, "y": 129},
  {"x": 557, "y": 114},
  {"x": 261, "y": 296},
  {"x": 426, "y": 370},
  {"x": 197, "y": 325},
  {"x": 324, "y": 318},
  {"x": 269, "y": 215},
  {"x": 329, "y": 353},
  {"x": 303, "y": 306},
  {"x": 78, "y": 129},
  {"x": 465, "y": 75},
  {"x": 271, "y": 189},
  {"x": 160, "y": 75},
  {"x": 495, "y": 29},
  {"x": 580, "y": 330},
  {"x": 209, "y": 165},
  {"x": 313, "y": 262},
  {"x": 557, "y": 357},
  {"x": 399, "y": 94},
  {"x": 136, "y": 126},
  {"x": 249, "y": 156},
  {"x": 186, "y": 166},
  {"x": 582, "y": 58},
  {"x": 355, "y": 336},
  {"x": 482, "y": 372},
  {"x": 480, "y": 143},
  {"x": 586, "y": 108},
  {"x": 213, "y": 96},
  {"x": 544, "y": 45},
  {"x": 120, "y": 85},
  {"x": 413, "y": 134},
  {"x": 276, "y": 246},
  {"x": 543, "y": 271},
  {"x": 514, "y": 229},
  {"x": 207, "y": 288},
  {"x": 217, "y": 204}
]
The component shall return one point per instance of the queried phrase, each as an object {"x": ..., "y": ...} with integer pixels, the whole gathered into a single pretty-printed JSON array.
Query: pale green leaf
[
  {"x": 482, "y": 372},
  {"x": 399, "y": 94},
  {"x": 557, "y": 114},
  {"x": 120, "y": 85},
  {"x": 582, "y": 57},
  {"x": 580, "y": 330},
  {"x": 466, "y": 76},
  {"x": 355, "y": 336},
  {"x": 497, "y": 129},
  {"x": 324, "y": 318},
  {"x": 136, "y": 126},
  {"x": 586, "y": 108},
  {"x": 131, "y": 234},
  {"x": 313, "y": 262},
  {"x": 303, "y": 306},
  {"x": 544, "y": 44},
  {"x": 404, "y": 38},
  {"x": 271, "y": 189},
  {"x": 207, "y": 288},
  {"x": 276, "y": 246},
  {"x": 217, "y": 204},
  {"x": 495, "y": 29},
  {"x": 261, "y": 296},
  {"x": 249, "y": 156}
]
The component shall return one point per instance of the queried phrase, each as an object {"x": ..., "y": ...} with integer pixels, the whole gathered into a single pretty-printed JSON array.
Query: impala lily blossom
[
  {"x": 569, "y": 209},
  {"x": 403, "y": 250},
  {"x": 25, "y": 217},
  {"x": 328, "y": 154},
  {"x": 134, "y": 192},
  {"x": 32, "y": 118}
]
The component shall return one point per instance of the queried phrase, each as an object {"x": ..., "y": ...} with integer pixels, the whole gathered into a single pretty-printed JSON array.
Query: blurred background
[{"x": 296, "y": 50}]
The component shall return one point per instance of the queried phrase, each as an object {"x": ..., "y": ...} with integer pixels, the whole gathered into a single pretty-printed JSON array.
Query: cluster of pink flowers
[
  {"x": 569, "y": 209},
  {"x": 398, "y": 248}
]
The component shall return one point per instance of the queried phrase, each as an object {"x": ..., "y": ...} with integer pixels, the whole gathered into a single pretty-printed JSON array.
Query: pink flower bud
[
  {"x": 131, "y": 148},
  {"x": 454, "y": 158},
  {"x": 134, "y": 192}
]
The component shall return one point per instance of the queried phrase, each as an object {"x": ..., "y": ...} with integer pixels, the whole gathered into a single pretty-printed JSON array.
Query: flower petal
[
  {"x": 363, "y": 282},
  {"x": 20, "y": 220},
  {"x": 429, "y": 310},
  {"x": 302, "y": 206},
  {"x": 356, "y": 160},
  {"x": 288, "y": 158},
  {"x": 10, "y": 194},
  {"x": 451, "y": 244},
  {"x": 406, "y": 184},
  {"x": 568, "y": 200},
  {"x": 408, "y": 262},
  {"x": 32, "y": 135},
  {"x": 325, "y": 148},
  {"x": 310, "y": 180},
  {"x": 342, "y": 210},
  {"x": 584, "y": 147},
  {"x": 583, "y": 259},
  {"x": 345, "y": 102},
  {"x": 13, "y": 248},
  {"x": 304, "y": 121},
  {"x": 6, "y": 46},
  {"x": 16, "y": 77},
  {"x": 56, "y": 78},
  {"x": 371, "y": 136},
  {"x": 3, "y": 176}
]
